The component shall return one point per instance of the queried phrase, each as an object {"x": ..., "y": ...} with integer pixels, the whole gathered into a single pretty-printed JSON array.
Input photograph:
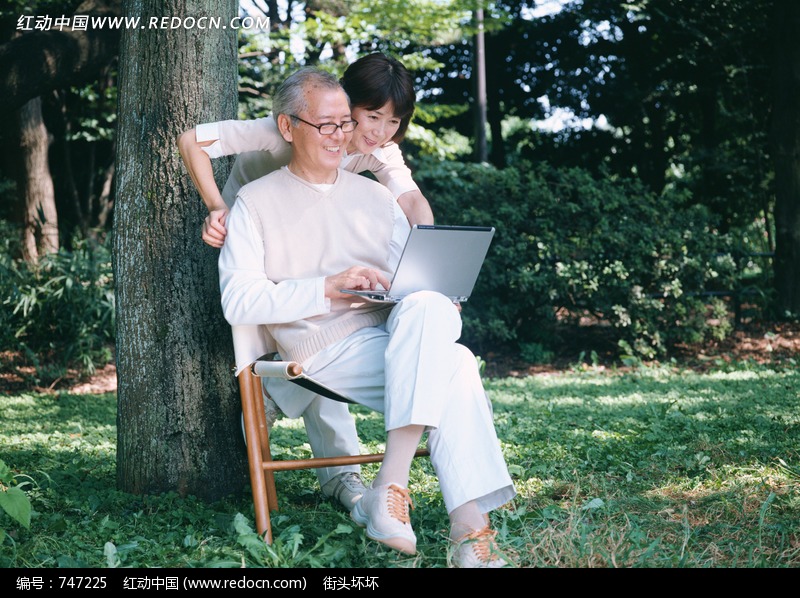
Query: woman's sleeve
[
  {"x": 389, "y": 167},
  {"x": 239, "y": 136}
]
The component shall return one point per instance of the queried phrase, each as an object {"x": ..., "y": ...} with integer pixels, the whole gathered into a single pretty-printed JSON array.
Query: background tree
[
  {"x": 39, "y": 61},
  {"x": 695, "y": 100},
  {"x": 178, "y": 422},
  {"x": 676, "y": 94},
  {"x": 37, "y": 70},
  {"x": 39, "y": 216},
  {"x": 786, "y": 148},
  {"x": 670, "y": 92}
]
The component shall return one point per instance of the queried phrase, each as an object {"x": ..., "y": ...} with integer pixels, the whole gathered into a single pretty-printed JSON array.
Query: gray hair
[{"x": 289, "y": 97}]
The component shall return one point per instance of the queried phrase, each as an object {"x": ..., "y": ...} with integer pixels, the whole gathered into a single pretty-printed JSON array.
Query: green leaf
[
  {"x": 18, "y": 506},
  {"x": 5, "y": 473},
  {"x": 516, "y": 470},
  {"x": 595, "y": 503}
]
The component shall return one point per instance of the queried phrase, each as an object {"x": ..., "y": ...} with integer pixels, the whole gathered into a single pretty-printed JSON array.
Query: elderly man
[{"x": 299, "y": 236}]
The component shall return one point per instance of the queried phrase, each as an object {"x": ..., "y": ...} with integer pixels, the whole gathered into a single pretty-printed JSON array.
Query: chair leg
[
  {"x": 259, "y": 456},
  {"x": 266, "y": 454},
  {"x": 258, "y": 481}
]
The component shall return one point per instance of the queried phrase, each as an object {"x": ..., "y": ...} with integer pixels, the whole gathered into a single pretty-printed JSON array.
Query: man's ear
[{"x": 285, "y": 127}]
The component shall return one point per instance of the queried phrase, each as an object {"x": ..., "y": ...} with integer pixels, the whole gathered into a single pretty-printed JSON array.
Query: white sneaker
[
  {"x": 346, "y": 487},
  {"x": 478, "y": 550},
  {"x": 384, "y": 512}
]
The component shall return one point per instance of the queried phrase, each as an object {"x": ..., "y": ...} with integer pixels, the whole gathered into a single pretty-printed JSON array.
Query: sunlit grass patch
[{"x": 612, "y": 469}]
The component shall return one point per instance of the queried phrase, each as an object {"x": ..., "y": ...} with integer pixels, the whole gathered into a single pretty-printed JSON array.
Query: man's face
[{"x": 316, "y": 157}]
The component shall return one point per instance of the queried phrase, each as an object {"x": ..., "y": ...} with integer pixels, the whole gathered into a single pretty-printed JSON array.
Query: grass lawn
[{"x": 646, "y": 467}]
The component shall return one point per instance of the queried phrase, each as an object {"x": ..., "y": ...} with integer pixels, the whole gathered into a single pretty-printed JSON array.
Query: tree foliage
[
  {"x": 676, "y": 94},
  {"x": 572, "y": 247}
]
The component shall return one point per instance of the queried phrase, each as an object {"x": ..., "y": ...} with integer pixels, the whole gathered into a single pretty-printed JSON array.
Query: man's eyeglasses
[{"x": 347, "y": 126}]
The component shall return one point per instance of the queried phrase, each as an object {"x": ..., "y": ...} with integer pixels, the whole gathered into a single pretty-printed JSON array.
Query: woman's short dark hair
[{"x": 376, "y": 79}]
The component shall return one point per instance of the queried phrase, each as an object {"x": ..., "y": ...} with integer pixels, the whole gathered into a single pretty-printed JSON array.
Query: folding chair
[{"x": 254, "y": 340}]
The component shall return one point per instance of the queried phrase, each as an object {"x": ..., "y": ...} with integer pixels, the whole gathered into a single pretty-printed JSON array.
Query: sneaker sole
[{"x": 398, "y": 543}]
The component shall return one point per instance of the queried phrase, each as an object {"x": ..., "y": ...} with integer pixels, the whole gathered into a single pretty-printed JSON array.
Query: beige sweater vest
[{"x": 308, "y": 233}]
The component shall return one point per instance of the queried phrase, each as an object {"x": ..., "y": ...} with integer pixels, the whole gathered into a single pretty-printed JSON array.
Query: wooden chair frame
[{"x": 259, "y": 457}]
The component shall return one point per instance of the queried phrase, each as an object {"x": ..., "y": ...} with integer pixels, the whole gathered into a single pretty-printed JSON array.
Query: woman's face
[{"x": 375, "y": 128}]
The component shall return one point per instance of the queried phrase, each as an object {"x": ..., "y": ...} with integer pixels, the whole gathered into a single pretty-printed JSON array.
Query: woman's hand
[{"x": 214, "y": 231}]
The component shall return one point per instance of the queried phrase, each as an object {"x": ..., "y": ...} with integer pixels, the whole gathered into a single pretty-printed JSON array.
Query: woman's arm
[
  {"x": 198, "y": 164},
  {"x": 389, "y": 167},
  {"x": 246, "y": 138},
  {"x": 416, "y": 207}
]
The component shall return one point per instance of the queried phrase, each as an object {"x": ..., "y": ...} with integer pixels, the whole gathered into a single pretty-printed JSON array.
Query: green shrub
[
  {"x": 569, "y": 246},
  {"x": 59, "y": 313},
  {"x": 14, "y": 503}
]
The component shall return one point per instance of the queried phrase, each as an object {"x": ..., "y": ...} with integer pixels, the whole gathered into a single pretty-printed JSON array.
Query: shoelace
[
  {"x": 482, "y": 542},
  {"x": 398, "y": 501}
]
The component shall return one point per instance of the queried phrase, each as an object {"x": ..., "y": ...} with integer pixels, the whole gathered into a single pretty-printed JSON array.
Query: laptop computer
[{"x": 446, "y": 259}]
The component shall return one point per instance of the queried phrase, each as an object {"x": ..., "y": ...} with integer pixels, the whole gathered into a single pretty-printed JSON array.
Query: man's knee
[
  {"x": 466, "y": 360},
  {"x": 426, "y": 312},
  {"x": 430, "y": 300}
]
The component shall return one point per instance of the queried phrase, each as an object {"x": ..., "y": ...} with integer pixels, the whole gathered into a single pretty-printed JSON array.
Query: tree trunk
[
  {"x": 40, "y": 219},
  {"x": 494, "y": 105},
  {"x": 786, "y": 153},
  {"x": 178, "y": 422},
  {"x": 479, "y": 70},
  {"x": 105, "y": 203}
]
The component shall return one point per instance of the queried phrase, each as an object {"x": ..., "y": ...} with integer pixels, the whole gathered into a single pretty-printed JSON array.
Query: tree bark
[
  {"x": 786, "y": 154},
  {"x": 178, "y": 411},
  {"x": 39, "y": 217}
]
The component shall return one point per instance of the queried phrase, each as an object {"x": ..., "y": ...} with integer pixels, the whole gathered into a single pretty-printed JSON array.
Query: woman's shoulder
[
  {"x": 382, "y": 157},
  {"x": 388, "y": 153}
]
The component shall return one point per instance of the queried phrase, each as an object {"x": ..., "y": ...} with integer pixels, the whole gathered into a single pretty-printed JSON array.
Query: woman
[{"x": 382, "y": 97}]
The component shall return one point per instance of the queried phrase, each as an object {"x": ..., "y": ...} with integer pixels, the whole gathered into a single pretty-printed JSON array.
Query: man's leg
[
  {"x": 417, "y": 374},
  {"x": 424, "y": 374},
  {"x": 331, "y": 432},
  {"x": 424, "y": 362},
  {"x": 464, "y": 448}
]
